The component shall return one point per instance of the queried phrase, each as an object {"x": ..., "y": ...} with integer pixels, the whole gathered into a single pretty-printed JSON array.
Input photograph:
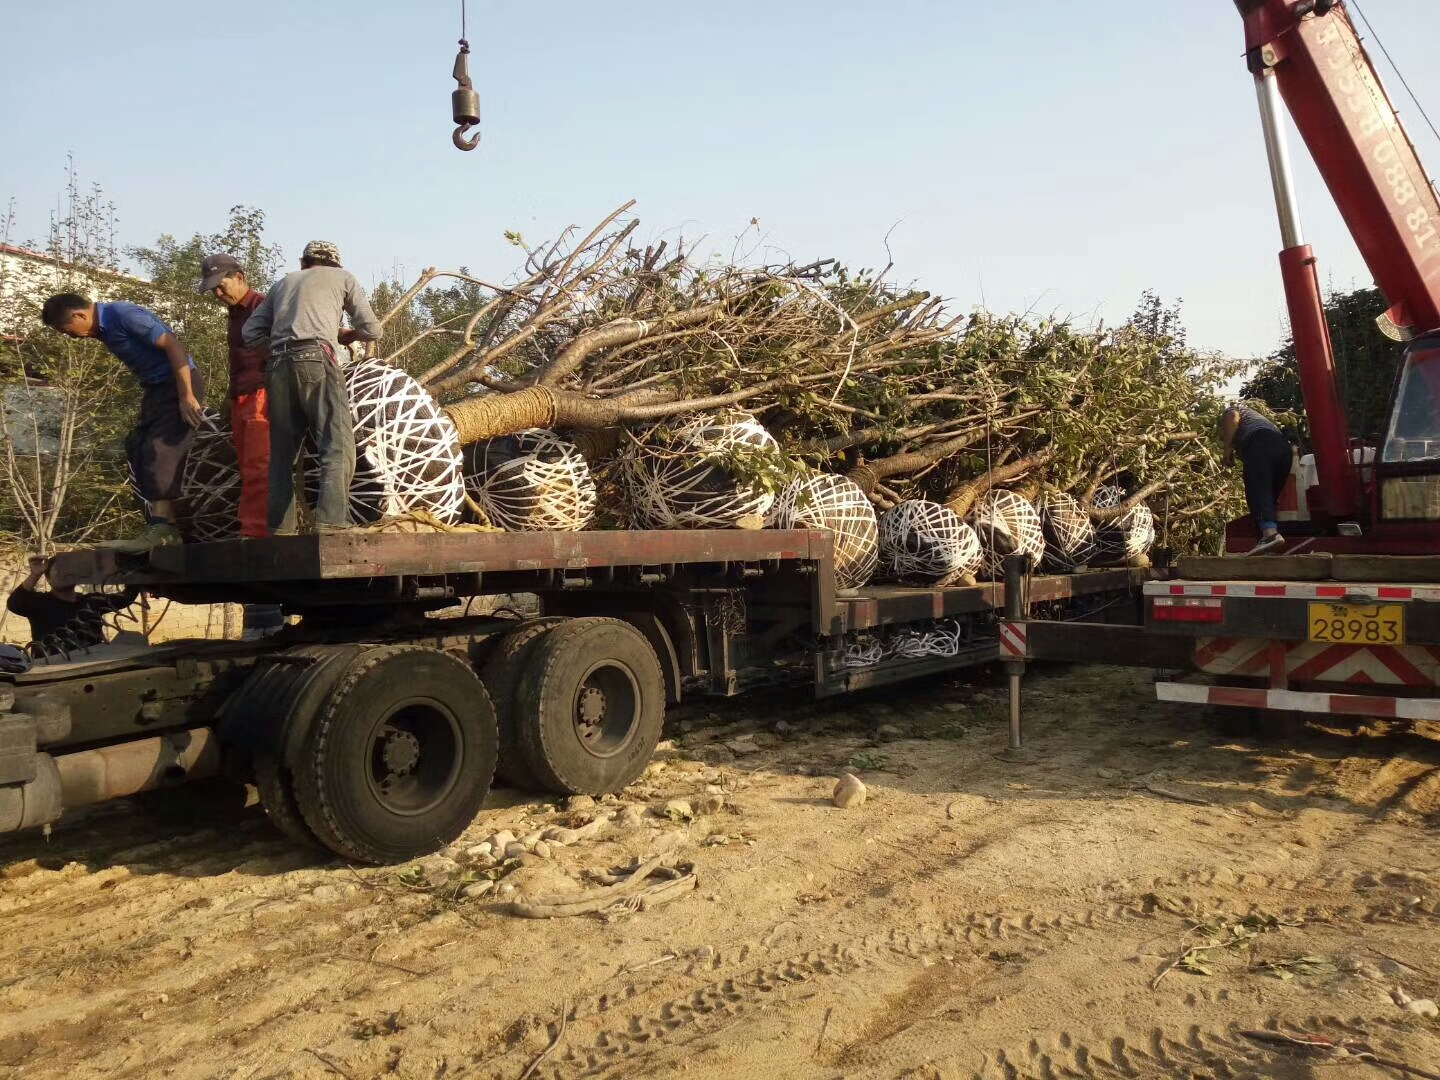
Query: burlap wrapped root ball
[
  {"x": 1007, "y": 524},
  {"x": 824, "y": 501},
  {"x": 927, "y": 543},
  {"x": 1127, "y": 539},
  {"x": 690, "y": 477},
  {"x": 532, "y": 481},
  {"x": 1069, "y": 532},
  {"x": 407, "y": 452}
]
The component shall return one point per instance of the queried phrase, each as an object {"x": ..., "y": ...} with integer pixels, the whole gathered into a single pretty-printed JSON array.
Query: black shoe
[{"x": 1267, "y": 545}]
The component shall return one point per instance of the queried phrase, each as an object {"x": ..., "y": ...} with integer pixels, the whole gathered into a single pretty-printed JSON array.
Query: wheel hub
[
  {"x": 401, "y": 752},
  {"x": 590, "y": 709}
]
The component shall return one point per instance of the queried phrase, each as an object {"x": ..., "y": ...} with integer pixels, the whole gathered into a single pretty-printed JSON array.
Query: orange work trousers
[{"x": 250, "y": 428}]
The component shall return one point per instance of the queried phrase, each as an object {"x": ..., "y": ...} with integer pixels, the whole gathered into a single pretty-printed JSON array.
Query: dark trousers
[
  {"x": 306, "y": 395},
  {"x": 160, "y": 440},
  {"x": 1266, "y": 458}
]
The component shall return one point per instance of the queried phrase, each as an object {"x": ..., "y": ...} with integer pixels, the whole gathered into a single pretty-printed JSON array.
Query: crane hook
[{"x": 464, "y": 101}]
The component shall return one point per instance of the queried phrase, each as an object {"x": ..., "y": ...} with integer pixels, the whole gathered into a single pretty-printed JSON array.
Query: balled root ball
[
  {"x": 825, "y": 501},
  {"x": 532, "y": 481},
  {"x": 700, "y": 475},
  {"x": 1128, "y": 538},
  {"x": 1069, "y": 532},
  {"x": 925, "y": 542},
  {"x": 407, "y": 452},
  {"x": 1007, "y": 524}
]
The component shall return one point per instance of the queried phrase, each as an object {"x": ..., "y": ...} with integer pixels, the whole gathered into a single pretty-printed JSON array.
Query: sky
[{"x": 1046, "y": 156}]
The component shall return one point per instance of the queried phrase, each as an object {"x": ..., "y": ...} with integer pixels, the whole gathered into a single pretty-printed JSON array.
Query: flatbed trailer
[
  {"x": 1351, "y": 635},
  {"x": 374, "y": 723}
]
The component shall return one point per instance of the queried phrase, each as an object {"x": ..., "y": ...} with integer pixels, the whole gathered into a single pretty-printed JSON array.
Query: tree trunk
[{"x": 964, "y": 498}]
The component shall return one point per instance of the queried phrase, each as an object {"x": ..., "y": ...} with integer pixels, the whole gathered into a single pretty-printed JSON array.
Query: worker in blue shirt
[{"x": 172, "y": 393}]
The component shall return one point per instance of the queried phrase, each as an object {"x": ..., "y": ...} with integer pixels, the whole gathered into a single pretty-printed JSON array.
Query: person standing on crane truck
[
  {"x": 173, "y": 391},
  {"x": 223, "y": 276},
  {"x": 300, "y": 320},
  {"x": 1265, "y": 456}
]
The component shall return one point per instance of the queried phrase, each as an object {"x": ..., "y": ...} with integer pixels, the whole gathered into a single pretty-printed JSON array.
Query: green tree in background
[
  {"x": 173, "y": 267},
  {"x": 1366, "y": 364},
  {"x": 67, "y": 404},
  {"x": 432, "y": 323}
]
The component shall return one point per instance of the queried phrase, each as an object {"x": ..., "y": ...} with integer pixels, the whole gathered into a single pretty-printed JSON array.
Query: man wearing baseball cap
[
  {"x": 300, "y": 320},
  {"x": 249, "y": 427}
]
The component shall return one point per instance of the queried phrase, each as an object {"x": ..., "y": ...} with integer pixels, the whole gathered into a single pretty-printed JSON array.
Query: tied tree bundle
[{"x": 621, "y": 346}]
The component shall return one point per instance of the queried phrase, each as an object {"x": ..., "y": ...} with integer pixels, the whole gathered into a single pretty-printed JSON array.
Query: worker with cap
[
  {"x": 171, "y": 402},
  {"x": 223, "y": 276},
  {"x": 300, "y": 320}
]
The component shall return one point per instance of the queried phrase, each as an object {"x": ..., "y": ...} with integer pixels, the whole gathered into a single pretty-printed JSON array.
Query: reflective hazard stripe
[
  {"x": 1012, "y": 641},
  {"x": 1294, "y": 590},
  {"x": 1299, "y": 701}
]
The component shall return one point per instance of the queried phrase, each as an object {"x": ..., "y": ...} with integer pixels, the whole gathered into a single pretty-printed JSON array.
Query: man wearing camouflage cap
[{"x": 300, "y": 320}]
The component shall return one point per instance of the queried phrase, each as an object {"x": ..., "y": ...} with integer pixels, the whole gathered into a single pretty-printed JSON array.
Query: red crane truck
[{"x": 1348, "y": 620}]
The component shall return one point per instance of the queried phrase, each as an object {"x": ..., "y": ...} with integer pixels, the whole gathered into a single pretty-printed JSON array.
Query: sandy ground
[{"x": 976, "y": 917}]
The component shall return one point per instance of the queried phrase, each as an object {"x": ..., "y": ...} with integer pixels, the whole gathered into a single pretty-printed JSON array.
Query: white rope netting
[
  {"x": 926, "y": 542},
  {"x": 1108, "y": 497},
  {"x": 407, "y": 453},
  {"x": 1006, "y": 523},
  {"x": 686, "y": 479},
  {"x": 1127, "y": 537},
  {"x": 1069, "y": 532},
  {"x": 826, "y": 501},
  {"x": 532, "y": 481},
  {"x": 942, "y": 638},
  {"x": 211, "y": 483}
]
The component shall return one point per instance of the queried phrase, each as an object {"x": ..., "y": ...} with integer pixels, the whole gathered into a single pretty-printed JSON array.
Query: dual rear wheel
[{"x": 387, "y": 752}]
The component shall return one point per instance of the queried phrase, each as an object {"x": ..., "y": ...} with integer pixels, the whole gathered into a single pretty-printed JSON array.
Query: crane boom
[{"x": 1307, "y": 52}]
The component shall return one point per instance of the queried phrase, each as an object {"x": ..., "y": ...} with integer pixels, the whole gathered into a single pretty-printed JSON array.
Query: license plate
[{"x": 1358, "y": 624}]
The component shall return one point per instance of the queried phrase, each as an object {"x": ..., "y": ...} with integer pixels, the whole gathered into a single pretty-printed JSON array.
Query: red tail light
[{"x": 1191, "y": 609}]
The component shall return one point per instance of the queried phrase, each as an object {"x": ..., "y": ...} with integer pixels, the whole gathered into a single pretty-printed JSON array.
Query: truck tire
[
  {"x": 399, "y": 759},
  {"x": 269, "y": 716},
  {"x": 590, "y": 706},
  {"x": 500, "y": 673},
  {"x": 277, "y": 796}
]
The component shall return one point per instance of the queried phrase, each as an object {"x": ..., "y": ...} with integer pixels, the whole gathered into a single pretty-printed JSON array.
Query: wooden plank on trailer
[
  {"x": 1387, "y": 569},
  {"x": 1255, "y": 568},
  {"x": 362, "y": 554}
]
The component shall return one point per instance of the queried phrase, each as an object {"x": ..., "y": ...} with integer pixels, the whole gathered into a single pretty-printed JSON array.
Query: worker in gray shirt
[{"x": 300, "y": 320}]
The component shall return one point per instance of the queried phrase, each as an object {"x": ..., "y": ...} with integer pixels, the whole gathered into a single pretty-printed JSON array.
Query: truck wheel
[
  {"x": 268, "y": 715},
  {"x": 590, "y": 706},
  {"x": 501, "y": 674},
  {"x": 400, "y": 757},
  {"x": 277, "y": 796}
]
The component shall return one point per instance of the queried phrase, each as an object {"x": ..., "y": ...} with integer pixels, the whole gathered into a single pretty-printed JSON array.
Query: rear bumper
[{"x": 1399, "y": 708}]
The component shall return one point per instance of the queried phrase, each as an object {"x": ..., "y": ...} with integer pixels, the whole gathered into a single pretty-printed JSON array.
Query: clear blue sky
[{"x": 1049, "y": 154}]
